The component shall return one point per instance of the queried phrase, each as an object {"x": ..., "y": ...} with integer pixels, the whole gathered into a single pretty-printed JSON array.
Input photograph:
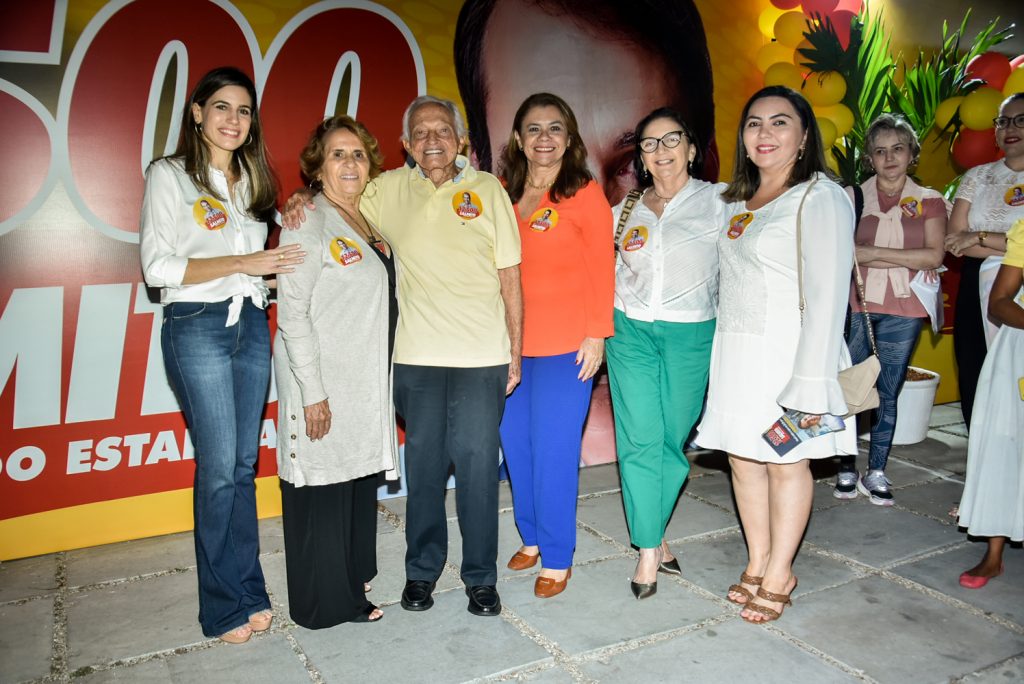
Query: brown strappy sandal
[
  {"x": 743, "y": 591},
  {"x": 770, "y": 614}
]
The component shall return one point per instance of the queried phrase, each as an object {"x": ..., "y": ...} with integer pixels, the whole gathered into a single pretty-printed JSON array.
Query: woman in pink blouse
[{"x": 901, "y": 232}]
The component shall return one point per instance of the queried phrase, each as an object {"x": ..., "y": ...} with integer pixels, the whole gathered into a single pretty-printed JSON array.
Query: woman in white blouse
[
  {"x": 990, "y": 198},
  {"x": 666, "y": 292},
  {"x": 770, "y": 352},
  {"x": 204, "y": 217},
  {"x": 336, "y": 326}
]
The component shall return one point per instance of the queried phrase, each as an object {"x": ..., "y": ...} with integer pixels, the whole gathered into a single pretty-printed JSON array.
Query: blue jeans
[
  {"x": 541, "y": 433},
  {"x": 896, "y": 337},
  {"x": 221, "y": 376}
]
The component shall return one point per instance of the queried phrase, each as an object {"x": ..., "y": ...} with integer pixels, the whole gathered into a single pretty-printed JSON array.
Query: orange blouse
[{"x": 568, "y": 272}]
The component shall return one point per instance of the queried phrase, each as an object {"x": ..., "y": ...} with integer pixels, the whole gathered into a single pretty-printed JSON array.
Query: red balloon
[
  {"x": 822, "y": 7},
  {"x": 786, "y": 4},
  {"x": 972, "y": 148},
  {"x": 1016, "y": 62},
  {"x": 842, "y": 20},
  {"x": 850, "y": 6},
  {"x": 991, "y": 67}
]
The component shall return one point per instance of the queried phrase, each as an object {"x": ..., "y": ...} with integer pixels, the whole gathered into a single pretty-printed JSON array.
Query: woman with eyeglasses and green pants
[{"x": 666, "y": 295}]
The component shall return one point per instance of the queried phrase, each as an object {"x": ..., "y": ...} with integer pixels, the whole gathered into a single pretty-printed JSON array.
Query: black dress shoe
[
  {"x": 483, "y": 600},
  {"x": 417, "y": 595}
]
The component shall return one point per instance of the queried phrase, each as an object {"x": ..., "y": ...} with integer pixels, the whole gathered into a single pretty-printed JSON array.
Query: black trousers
[
  {"x": 969, "y": 345},
  {"x": 451, "y": 418},
  {"x": 330, "y": 549}
]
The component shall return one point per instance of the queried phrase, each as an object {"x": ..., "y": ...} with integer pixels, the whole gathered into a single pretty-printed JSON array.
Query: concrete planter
[{"x": 914, "y": 408}]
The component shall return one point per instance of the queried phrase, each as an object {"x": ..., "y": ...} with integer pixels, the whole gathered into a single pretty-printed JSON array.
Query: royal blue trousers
[{"x": 541, "y": 433}]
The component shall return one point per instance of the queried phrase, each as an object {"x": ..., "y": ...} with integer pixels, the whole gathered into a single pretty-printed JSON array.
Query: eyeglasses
[
  {"x": 669, "y": 140},
  {"x": 1002, "y": 122}
]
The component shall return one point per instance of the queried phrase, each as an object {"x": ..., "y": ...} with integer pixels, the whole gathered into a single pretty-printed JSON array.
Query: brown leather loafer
[
  {"x": 522, "y": 561},
  {"x": 545, "y": 587}
]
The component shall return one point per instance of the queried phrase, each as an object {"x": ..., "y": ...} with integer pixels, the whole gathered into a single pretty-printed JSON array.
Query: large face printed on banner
[{"x": 528, "y": 51}]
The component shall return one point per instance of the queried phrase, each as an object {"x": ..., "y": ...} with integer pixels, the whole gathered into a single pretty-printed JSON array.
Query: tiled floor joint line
[
  {"x": 967, "y": 678},
  {"x": 315, "y": 675},
  {"x": 603, "y": 653},
  {"x": 59, "y": 652},
  {"x": 536, "y": 636},
  {"x": 821, "y": 655},
  {"x": 953, "y": 602}
]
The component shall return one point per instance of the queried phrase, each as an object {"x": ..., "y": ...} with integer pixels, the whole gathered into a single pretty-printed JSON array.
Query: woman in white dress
[
  {"x": 765, "y": 360},
  {"x": 993, "y": 501},
  {"x": 987, "y": 203}
]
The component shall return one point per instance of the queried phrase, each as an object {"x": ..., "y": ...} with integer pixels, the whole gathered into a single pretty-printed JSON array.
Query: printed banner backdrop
[{"x": 94, "y": 448}]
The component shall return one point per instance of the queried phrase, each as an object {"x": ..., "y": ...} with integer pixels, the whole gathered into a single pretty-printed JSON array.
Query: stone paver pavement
[{"x": 878, "y": 601}]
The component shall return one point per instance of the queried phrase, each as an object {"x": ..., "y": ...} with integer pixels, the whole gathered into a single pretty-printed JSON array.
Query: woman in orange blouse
[{"x": 568, "y": 280}]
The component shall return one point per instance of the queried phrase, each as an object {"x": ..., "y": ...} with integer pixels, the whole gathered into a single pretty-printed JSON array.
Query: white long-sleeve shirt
[
  {"x": 667, "y": 268},
  {"x": 179, "y": 222}
]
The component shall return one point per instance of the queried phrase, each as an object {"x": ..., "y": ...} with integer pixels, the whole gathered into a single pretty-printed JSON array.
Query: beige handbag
[{"x": 858, "y": 381}]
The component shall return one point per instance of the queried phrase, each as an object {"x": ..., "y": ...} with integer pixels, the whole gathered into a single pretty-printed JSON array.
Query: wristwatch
[{"x": 982, "y": 234}]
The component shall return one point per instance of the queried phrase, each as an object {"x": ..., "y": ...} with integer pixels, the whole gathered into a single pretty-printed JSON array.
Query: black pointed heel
[{"x": 642, "y": 591}]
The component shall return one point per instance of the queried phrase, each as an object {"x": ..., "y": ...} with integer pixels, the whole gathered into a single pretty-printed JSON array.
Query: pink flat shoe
[{"x": 975, "y": 581}]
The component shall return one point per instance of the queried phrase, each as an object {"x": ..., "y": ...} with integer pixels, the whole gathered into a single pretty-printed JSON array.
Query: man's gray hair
[{"x": 460, "y": 124}]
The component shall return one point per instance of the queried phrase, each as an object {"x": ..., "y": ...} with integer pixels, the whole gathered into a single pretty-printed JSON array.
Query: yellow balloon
[
  {"x": 771, "y": 54},
  {"x": 830, "y": 159},
  {"x": 1014, "y": 82},
  {"x": 798, "y": 56},
  {"x": 828, "y": 132},
  {"x": 840, "y": 115},
  {"x": 980, "y": 107},
  {"x": 945, "y": 111},
  {"x": 766, "y": 22},
  {"x": 825, "y": 88},
  {"x": 790, "y": 28},
  {"x": 784, "y": 74}
]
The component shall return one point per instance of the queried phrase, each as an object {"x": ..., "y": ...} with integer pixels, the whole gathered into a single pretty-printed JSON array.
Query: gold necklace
[{"x": 538, "y": 187}]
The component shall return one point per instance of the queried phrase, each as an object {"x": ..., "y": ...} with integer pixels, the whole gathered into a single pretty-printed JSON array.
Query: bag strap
[
  {"x": 856, "y": 271},
  {"x": 632, "y": 197},
  {"x": 858, "y": 206}
]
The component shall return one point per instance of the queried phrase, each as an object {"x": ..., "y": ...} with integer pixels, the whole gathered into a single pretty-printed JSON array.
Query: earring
[
  {"x": 248, "y": 140},
  {"x": 801, "y": 154}
]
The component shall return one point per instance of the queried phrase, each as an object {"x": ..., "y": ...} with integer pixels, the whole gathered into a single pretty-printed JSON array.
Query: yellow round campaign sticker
[
  {"x": 544, "y": 219},
  {"x": 635, "y": 239},
  {"x": 738, "y": 224},
  {"x": 1015, "y": 196},
  {"x": 345, "y": 251},
  {"x": 209, "y": 213},
  {"x": 911, "y": 207},
  {"x": 467, "y": 204}
]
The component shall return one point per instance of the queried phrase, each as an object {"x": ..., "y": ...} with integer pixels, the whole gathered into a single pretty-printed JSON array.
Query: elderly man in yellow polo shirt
[{"x": 458, "y": 343}]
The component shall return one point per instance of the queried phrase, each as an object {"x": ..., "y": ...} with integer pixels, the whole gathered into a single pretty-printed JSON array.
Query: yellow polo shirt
[
  {"x": 449, "y": 242},
  {"x": 1015, "y": 245}
]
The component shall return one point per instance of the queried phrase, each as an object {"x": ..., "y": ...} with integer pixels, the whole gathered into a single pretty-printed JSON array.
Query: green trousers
[{"x": 658, "y": 374}]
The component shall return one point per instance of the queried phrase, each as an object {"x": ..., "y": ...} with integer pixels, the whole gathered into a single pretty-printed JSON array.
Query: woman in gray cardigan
[{"x": 336, "y": 321}]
